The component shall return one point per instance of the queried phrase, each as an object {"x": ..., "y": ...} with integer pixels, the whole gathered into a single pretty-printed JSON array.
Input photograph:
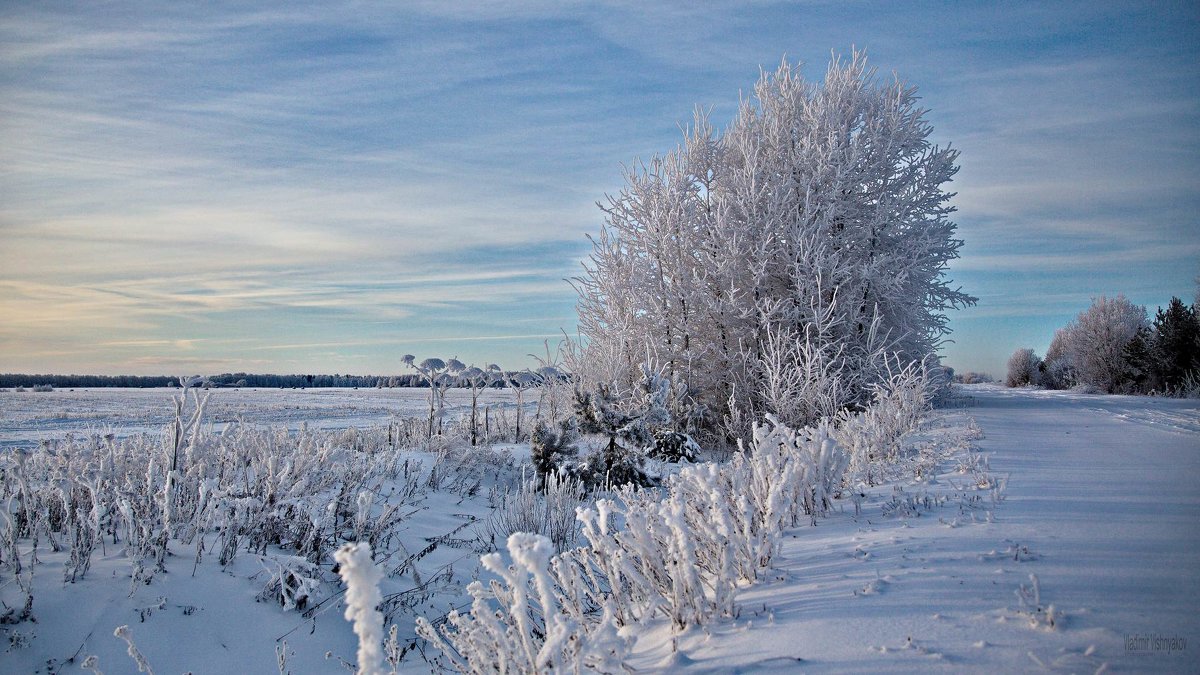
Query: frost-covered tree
[
  {"x": 1024, "y": 367},
  {"x": 1094, "y": 343},
  {"x": 1057, "y": 370},
  {"x": 440, "y": 375},
  {"x": 819, "y": 215},
  {"x": 476, "y": 379}
]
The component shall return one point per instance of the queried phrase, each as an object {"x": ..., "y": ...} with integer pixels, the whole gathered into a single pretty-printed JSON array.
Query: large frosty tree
[
  {"x": 812, "y": 233},
  {"x": 1092, "y": 348}
]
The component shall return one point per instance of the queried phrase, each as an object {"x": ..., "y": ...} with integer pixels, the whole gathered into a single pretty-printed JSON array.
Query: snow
[
  {"x": 1102, "y": 504},
  {"x": 1096, "y": 496},
  {"x": 27, "y": 417}
]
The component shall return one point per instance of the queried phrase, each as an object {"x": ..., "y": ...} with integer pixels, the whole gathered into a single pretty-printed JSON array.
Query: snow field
[
  {"x": 29, "y": 417},
  {"x": 1094, "y": 496},
  {"x": 228, "y": 537}
]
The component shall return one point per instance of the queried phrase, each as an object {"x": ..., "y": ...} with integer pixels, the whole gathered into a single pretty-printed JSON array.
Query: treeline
[
  {"x": 1113, "y": 347},
  {"x": 11, "y": 380},
  {"x": 133, "y": 381},
  {"x": 972, "y": 377}
]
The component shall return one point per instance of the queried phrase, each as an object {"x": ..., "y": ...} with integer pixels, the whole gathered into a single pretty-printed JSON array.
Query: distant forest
[{"x": 226, "y": 380}]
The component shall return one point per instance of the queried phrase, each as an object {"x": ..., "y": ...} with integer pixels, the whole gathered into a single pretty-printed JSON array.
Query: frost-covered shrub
[
  {"x": 1189, "y": 385},
  {"x": 1024, "y": 368},
  {"x": 43, "y": 387},
  {"x": 872, "y": 437},
  {"x": 292, "y": 582},
  {"x": 802, "y": 467},
  {"x": 362, "y": 577},
  {"x": 680, "y": 554},
  {"x": 802, "y": 377},
  {"x": 545, "y": 506},
  {"x": 527, "y": 629},
  {"x": 288, "y": 499},
  {"x": 680, "y": 557},
  {"x": 1031, "y": 606}
]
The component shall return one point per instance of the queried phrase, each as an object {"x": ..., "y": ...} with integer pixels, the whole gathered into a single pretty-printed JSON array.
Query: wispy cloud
[{"x": 326, "y": 181}]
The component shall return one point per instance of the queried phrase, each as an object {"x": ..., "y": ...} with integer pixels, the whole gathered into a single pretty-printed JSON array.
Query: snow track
[{"x": 1102, "y": 505}]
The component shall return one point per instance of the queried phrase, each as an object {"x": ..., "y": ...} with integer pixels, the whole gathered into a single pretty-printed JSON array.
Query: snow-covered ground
[
  {"x": 1098, "y": 496},
  {"x": 1102, "y": 505},
  {"x": 27, "y": 417}
]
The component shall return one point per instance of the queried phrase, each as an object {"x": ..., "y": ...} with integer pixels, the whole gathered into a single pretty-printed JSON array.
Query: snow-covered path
[
  {"x": 1110, "y": 486},
  {"x": 1102, "y": 504}
]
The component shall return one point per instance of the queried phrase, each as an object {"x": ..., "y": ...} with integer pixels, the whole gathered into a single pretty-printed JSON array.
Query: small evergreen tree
[
  {"x": 550, "y": 449},
  {"x": 620, "y": 461}
]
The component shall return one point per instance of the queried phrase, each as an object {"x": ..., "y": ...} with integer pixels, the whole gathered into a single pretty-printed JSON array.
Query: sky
[{"x": 325, "y": 187}]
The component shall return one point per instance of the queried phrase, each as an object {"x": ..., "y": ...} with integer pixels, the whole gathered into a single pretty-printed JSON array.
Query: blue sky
[{"x": 325, "y": 187}]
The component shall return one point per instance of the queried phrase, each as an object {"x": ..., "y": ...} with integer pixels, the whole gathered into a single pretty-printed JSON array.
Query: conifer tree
[{"x": 1176, "y": 343}]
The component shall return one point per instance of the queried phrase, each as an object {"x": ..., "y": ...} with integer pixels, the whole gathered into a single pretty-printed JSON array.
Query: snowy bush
[
  {"x": 526, "y": 631},
  {"x": 545, "y": 506},
  {"x": 292, "y": 582},
  {"x": 1024, "y": 368},
  {"x": 678, "y": 556},
  {"x": 196, "y": 496},
  {"x": 1189, "y": 385},
  {"x": 1093, "y": 345},
  {"x": 872, "y": 437}
]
